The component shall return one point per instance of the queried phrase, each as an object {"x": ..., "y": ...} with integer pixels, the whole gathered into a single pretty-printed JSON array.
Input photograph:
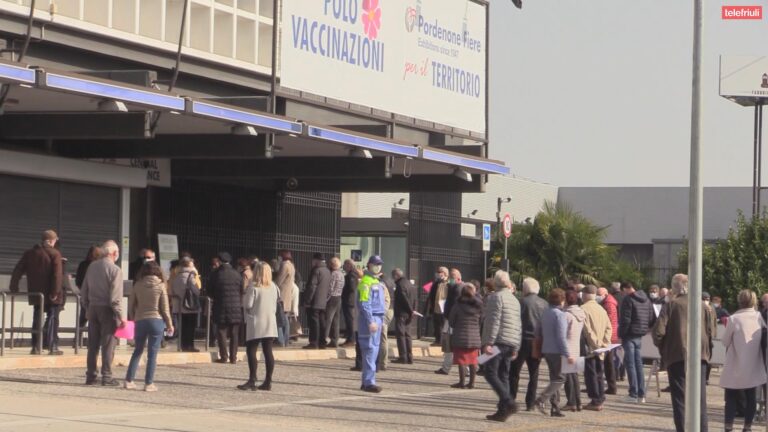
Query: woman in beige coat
[{"x": 744, "y": 369}]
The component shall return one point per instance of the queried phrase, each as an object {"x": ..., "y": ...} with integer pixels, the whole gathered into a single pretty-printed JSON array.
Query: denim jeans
[
  {"x": 634, "y": 365},
  {"x": 52, "y": 327},
  {"x": 497, "y": 375},
  {"x": 146, "y": 329}
]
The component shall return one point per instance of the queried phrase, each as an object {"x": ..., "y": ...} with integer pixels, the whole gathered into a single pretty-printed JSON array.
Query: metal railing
[{"x": 13, "y": 329}]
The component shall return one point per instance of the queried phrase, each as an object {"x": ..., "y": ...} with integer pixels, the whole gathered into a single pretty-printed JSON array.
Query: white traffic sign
[
  {"x": 486, "y": 237},
  {"x": 507, "y": 225}
]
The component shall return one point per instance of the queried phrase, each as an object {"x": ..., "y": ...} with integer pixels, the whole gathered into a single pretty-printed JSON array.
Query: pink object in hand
[
  {"x": 427, "y": 287},
  {"x": 127, "y": 331}
]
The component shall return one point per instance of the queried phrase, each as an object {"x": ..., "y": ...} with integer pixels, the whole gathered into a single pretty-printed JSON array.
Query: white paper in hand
[
  {"x": 484, "y": 357},
  {"x": 577, "y": 367}
]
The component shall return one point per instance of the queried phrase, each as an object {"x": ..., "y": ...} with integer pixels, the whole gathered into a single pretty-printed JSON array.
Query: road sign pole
[{"x": 506, "y": 261}]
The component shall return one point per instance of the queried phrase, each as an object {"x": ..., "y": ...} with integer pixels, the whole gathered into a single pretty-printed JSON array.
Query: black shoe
[
  {"x": 410, "y": 361},
  {"x": 356, "y": 369},
  {"x": 110, "y": 382},
  {"x": 381, "y": 368},
  {"x": 499, "y": 416},
  {"x": 248, "y": 385},
  {"x": 530, "y": 408},
  {"x": 372, "y": 389},
  {"x": 194, "y": 350},
  {"x": 312, "y": 347},
  {"x": 664, "y": 390},
  {"x": 400, "y": 361},
  {"x": 512, "y": 407},
  {"x": 221, "y": 360},
  {"x": 556, "y": 414},
  {"x": 34, "y": 351},
  {"x": 265, "y": 386},
  {"x": 441, "y": 372},
  {"x": 458, "y": 385},
  {"x": 56, "y": 352},
  {"x": 90, "y": 381}
]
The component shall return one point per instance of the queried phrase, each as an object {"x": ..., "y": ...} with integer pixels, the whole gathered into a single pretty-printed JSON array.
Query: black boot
[
  {"x": 472, "y": 375},
  {"x": 462, "y": 377}
]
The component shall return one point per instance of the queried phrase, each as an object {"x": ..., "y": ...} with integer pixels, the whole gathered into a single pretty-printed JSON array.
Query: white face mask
[
  {"x": 654, "y": 296},
  {"x": 599, "y": 299},
  {"x": 375, "y": 269},
  {"x": 716, "y": 305},
  {"x": 706, "y": 302}
]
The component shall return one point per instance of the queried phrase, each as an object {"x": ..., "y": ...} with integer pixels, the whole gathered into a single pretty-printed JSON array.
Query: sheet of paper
[
  {"x": 577, "y": 367},
  {"x": 484, "y": 357},
  {"x": 442, "y": 306},
  {"x": 418, "y": 314},
  {"x": 657, "y": 309},
  {"x": 606, "y": 349}
]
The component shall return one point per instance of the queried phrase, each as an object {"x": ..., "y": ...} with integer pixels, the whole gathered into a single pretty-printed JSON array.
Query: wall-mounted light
[
  {"x": 399, "y": 202},
  {"x": 111, "y": 105},
  {"x": 242, "y": 129},
  {"x": 464, "y": 175}
]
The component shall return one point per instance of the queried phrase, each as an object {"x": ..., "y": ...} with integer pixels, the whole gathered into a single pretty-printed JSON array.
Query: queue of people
[{"x": 578, "y": 324}]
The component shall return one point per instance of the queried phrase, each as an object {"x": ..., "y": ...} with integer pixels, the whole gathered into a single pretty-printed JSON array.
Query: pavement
[{"x": 307, "y": 395}]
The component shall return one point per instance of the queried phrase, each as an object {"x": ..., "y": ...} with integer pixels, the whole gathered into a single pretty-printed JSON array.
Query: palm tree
[{"x": 560, "y": 246}]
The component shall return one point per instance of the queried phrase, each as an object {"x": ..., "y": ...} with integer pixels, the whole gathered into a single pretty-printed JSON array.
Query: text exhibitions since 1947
[{"x": 432, "y": 51}]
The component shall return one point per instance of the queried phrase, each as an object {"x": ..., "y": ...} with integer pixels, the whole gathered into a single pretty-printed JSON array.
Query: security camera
[{"x": 292, "y": 183}]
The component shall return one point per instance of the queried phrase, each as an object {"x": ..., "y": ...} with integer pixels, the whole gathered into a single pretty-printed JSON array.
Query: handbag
[
  {"x": 281, "y": 319},
  {"x": 191, "y": 297}
]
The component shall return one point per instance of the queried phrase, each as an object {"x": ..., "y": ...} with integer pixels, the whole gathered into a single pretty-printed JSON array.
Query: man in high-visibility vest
[{"x": 371, "y": 307}]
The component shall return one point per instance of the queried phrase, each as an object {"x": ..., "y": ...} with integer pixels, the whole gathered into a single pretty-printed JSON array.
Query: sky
[{"x": 598, "y": 92}]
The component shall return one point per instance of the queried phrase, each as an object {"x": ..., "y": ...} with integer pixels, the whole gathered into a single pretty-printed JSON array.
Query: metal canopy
[{"x": 31, "y": 93}]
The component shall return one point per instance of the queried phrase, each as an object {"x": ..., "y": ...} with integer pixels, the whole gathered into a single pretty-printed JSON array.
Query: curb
[{"x": 181, "y": 358}]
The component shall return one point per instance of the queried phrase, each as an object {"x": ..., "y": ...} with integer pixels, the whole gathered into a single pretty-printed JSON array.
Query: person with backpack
[{"x": 186, "y": 302}]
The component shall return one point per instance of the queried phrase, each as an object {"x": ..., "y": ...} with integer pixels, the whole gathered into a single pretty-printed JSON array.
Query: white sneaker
[
  {"x": 150, "y": 388},
  {"x": 129, "y": 385},
  {"x": 641, "y": 400},
  {"x": 630, "y": 399}
]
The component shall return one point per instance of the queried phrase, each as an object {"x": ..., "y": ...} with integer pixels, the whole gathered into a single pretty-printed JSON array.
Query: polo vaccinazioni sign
[{"x": 419, "y": 58}]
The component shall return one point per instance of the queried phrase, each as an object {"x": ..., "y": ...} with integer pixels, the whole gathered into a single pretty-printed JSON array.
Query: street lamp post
[{"x": 693, "y": 359}]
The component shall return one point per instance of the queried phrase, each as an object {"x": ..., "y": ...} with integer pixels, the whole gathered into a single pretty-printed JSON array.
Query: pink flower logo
[{"x": 371, "y": 18}]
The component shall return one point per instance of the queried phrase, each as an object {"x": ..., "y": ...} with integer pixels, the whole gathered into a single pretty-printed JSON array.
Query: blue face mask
[{"x": 451, "y": 281}]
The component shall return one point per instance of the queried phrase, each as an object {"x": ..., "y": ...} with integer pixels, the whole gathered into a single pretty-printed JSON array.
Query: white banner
[
  {"x": 744, "y": 76},
  {"x": 420, "y": 58}
]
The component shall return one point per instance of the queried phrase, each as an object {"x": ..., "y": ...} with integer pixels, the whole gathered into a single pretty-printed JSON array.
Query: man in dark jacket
[
  {"x": 406, "y": 302},
  {"x": 44, "y": 269},
  {"x": 671, "y": 337},
  {"x": 315, "y": 299},
  {"x": 351, "y": 279},
  {"x": 635, "y": 318},
  {"x": 226, "y": 286},
  {"x": 437, "y": 296},
  {"x": 531, "y": 308}
]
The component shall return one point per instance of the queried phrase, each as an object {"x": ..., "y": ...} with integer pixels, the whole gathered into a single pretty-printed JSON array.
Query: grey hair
[
  {"x": 531, "y": 286},
  {"x": 679, "y": 284},
  {"x": 501, "y": 279},
  {"x": 110, "y": 247},
  {"x": 397, "y": 272}
]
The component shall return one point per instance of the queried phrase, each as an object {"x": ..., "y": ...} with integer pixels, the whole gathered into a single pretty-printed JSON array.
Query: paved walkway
[{"x": 306, "y": 396}]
